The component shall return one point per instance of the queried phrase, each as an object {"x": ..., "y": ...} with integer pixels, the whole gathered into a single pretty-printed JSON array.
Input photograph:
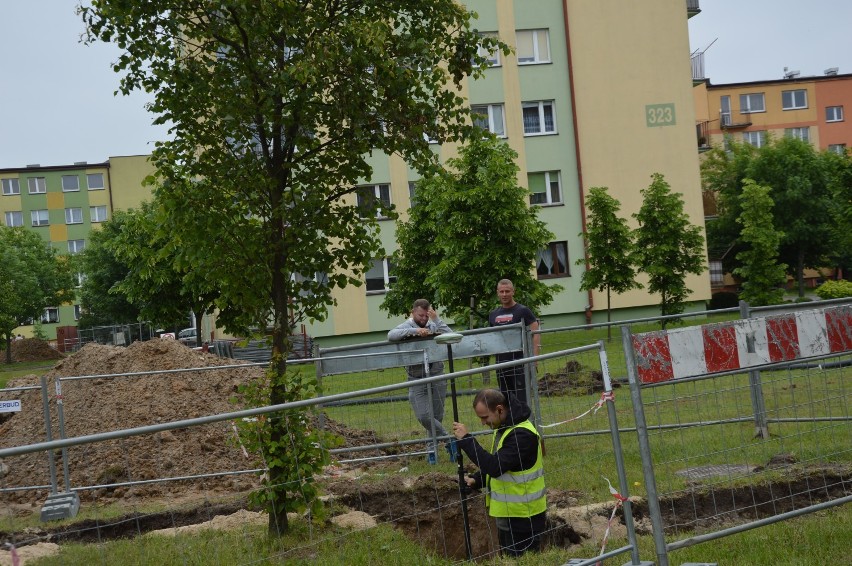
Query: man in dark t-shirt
[{"x": 512, "y": 382}]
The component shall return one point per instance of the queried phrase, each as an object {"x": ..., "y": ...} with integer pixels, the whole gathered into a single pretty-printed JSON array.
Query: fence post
[
  {"x": 531, "y": 377},
  {"x": 758, "y": 405},
  {"x": 644, "y": 448},
  {"x": 619, "y": 457},
  {"x": 60, "y": 407},
  {"x": 50, "y": 457}
]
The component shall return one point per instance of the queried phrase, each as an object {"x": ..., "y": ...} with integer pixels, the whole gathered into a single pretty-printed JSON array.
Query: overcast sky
[{"x": 57, "y": 104}]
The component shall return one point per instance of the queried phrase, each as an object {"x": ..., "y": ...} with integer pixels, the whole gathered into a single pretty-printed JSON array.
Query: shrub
[
  {"x": 834, "y": 290},
  {"x": 723, "y": 300}
]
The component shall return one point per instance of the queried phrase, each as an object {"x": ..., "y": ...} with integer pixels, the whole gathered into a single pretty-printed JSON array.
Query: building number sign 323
[{"x": 660, "y": 115}]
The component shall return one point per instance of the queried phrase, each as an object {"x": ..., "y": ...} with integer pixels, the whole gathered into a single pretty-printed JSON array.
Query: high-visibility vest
[{"x": 517, "y": 494}]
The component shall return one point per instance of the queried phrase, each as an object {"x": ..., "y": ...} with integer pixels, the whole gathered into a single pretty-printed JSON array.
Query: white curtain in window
[
  {"x": 545, "y": 256},
  {"x": 560, "y": 255}
]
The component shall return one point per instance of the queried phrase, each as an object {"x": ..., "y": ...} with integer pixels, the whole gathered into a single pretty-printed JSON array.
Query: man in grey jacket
[{"x": 425, "y": 322}]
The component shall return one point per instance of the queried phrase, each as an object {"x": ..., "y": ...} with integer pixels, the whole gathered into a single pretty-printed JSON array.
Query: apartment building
[
  {"x": 595, "y": 94},
  {"x": 63, "y": 204}
]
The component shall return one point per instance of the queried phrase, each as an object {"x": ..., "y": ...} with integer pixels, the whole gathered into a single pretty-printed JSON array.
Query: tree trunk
[
  {"x": 9, "y": 349},
  {"x": 800, "y": 272}
]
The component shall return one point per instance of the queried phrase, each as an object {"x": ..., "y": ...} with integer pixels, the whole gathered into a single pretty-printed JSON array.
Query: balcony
[
  {"x": 692, "y": 8},
  {"x": 726, "y": 121},
  {"x": 702, "y": 135},
  {"x": 697, "y": 60}
]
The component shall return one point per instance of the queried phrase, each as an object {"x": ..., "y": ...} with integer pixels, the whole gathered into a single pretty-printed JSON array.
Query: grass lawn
[{"x": 18, "y": 369}]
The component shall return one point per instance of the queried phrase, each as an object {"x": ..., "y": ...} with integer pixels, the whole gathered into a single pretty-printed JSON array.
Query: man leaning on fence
[
  {"x": 424, "y": 322},
  {"x": 513, "y": 380},
  {"x": 512, "y": 472}
]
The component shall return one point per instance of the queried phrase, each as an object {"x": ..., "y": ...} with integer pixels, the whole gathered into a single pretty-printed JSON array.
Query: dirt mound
[
  {"x": 102, "y": 404},
  {"x": 33, "y": 350}
]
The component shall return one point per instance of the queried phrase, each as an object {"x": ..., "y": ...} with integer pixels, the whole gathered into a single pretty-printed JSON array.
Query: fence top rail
[
  {"x": 680, "y": 353},
  {"x": 634, "y": 321},
  {"x": 247, "y": 413},
  {"x": 476, "y": 342},
  {"x": 24, "y": 388}
]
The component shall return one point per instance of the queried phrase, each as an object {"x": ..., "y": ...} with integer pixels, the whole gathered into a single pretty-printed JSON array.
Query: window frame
[
  {"x": 802, "y": 133},
  {"x": 94, "y": 217},
  {"x": 553, "y": 247},
  {"x": 76, "y": 246},
  {"x": 19, "y": 214},
  {"x": 838, "y": 148},
  {"x": 837, "y": 112},
  {"x": 792, "y": 94},
  {"x": 89, "y": 185},
  {"x": 548, "y": 188},
  {"x": 716, "y": 271},
  {"x": 388, "y": 279},
  {"x": 70, "y": 217},
  {"x": 747, "y": 108},
  {"x": 78, "y": 312},
  {"x": 536, "y": 58},
  {"x": 36, "y": 215},
  {"x": 11, "y": 186},
  {"x": 493, "y": 57},
  {"x": 73, "y": 189},
  {"x": 376, "y": 195},
  {"x": 761, "y": 136},
  {"x": 46, "y": 315},
  {"x": 542, "y": 130},
  {"x": 489, "y": 114},
  {"x": 40, "y": 188}
]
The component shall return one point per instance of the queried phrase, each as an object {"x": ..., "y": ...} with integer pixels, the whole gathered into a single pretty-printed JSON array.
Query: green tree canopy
[
  {"x": 668, "y": 247},
  {"x": 32, "y": 278},
  {"x": 609, "y": 249},
  {"x": 273, "y": 108},
  {"x": 763, "y": 277},
  {"x": 470, "y": 227},
  {"x": 803, "y": 182}
]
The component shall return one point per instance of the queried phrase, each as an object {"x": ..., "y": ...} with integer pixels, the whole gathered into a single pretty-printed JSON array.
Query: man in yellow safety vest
[{"x": 512, "y": 472}]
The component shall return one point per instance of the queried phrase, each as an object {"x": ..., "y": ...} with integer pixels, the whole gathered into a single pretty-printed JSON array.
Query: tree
[
  {"x": 32, "y": 278},
  {"x": 470, "y": 227},
  {"x": 609, "y": 249},
  {"x": 101, "y": 303},
  {"x": 273, "y": 107},
  {"x": 801, "y": 179},
  {"x": 668, "y": 247},
  {"x": 763, "y": 277}
]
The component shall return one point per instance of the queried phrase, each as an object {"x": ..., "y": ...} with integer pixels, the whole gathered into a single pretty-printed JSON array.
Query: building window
[
  {"x": 539, "y": 118},
  {"x": 412, "y": 192},
  {"x": 76, "y": 246},
  {"x": 832, "y": 114},
  {"x": 77, "y": 312},
  {"x": 552, "y": 261},
  {"x": 298, "y": 279},
  {"x": 798, "y": 133},
  {"x": 489, "y": 117},
  {"x": 50, "y": 315},
  {"x": 837, "y": 148},
  {"x": 373, "y": 200},
  {"x": 493, "y": 56},
  {"x": 752, "y": 103},
  {"x": 545, "y": 188},
  {"x": 73, "y": 215},
  {"x": 725, "y": 111},
  {"x": 98, "y": 213},
  {"x": 39, "y": 218},
  {"x": 36, "y": 185},
  {"x": 532, "y": 46},
  {"x": 70, "y": 183},
  {"x": 717, "y": 273},
  {"x": 757, "y": 139},
  {"x": 95, "y": 181},
  {"x": 14, "y": 218},
  {"x": 379, "y": 278},
  {"x": 11, "y": 187},
  {"x": 794, "y": 99}
]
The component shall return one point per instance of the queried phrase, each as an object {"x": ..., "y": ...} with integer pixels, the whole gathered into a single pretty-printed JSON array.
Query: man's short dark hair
[
  {"x": 490, "y": 398},
  {"x": 421, "y": 303},
  {"x": 506, "y": 282}
]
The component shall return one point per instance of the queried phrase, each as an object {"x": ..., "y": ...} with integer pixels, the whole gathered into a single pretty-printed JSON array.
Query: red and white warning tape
[
  {"x": 619, "y": 501},
  {"x": 605, "y": 396}
]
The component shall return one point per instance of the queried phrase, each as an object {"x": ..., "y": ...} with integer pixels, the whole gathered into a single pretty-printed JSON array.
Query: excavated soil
[{"x": 33, "y": 350}]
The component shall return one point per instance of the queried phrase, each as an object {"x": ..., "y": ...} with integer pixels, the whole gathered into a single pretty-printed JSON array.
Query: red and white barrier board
[{"x": 711, "y": 348}]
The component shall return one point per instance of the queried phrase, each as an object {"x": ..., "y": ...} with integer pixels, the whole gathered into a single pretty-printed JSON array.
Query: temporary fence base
[{"x": 60, "y": 506}]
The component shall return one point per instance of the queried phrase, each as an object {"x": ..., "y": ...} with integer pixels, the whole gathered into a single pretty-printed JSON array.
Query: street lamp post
[{"x": 449, "y": 339}]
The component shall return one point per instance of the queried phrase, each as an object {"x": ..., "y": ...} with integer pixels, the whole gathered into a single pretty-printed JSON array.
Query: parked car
[{"x": 188, "y": 336}]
